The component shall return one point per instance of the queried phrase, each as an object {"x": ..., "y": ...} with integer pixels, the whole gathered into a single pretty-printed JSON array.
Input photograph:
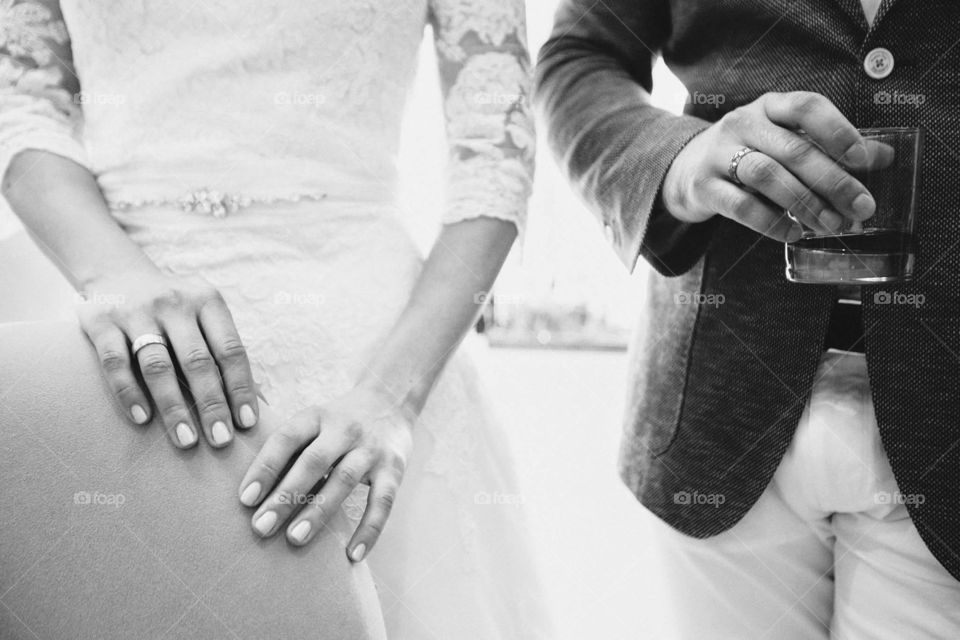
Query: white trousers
[{"x": 828, "y": 551}]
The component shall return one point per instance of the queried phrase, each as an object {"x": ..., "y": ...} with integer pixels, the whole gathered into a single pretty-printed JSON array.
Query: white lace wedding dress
[{"x": 254, "y": 143}]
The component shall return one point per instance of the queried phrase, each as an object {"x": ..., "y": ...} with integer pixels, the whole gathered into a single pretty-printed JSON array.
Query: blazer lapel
[
  {"x": 882, "y": 11},
  {"x": 854, "y": 11}
]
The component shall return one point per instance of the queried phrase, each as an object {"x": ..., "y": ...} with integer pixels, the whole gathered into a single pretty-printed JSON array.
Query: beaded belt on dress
[{"x": 212, "y": 202}]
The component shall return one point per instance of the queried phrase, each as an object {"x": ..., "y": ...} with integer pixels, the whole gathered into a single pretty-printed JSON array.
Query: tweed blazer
[{"x": 727, "y": 350}]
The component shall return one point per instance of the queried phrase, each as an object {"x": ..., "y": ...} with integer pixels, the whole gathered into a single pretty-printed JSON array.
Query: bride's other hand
[
  {"x": 203, "y": 345},
  {"x": 365, "y": 436},
  {"x": 362, "y": 437}
]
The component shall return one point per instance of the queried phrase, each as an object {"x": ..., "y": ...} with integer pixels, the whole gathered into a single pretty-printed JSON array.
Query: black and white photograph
[{"x": 479, "y": 319}]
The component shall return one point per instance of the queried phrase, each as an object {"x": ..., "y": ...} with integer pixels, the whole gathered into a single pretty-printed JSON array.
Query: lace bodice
[{"x": 265, "y": 99}]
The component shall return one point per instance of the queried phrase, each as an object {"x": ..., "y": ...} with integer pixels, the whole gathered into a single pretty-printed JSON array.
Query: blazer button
[{"x": 878, "y": 64}]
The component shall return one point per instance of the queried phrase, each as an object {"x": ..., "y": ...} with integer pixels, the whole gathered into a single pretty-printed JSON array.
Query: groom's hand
[{"x": 804, "y": 150}]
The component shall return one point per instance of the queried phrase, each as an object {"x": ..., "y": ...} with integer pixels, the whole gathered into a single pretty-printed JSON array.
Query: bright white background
[{"x": 563, "y": 409}]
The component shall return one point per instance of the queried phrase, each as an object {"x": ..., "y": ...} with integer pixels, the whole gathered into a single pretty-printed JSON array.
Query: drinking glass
[{"x": 880, "y": 248}]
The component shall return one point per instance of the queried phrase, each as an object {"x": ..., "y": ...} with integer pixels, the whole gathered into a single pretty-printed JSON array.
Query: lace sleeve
[
  {"x": 485, "y": 77},
  {"x": 38, "y": 109}
]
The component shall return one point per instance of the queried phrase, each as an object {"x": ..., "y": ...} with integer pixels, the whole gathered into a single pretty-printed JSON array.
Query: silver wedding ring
[
  {"x": 735, "y": 162},
  {"x": 147, "y": 339}
]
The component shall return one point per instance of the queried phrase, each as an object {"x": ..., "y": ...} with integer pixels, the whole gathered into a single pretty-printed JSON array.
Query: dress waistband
[{"x": 212, "y": 202}]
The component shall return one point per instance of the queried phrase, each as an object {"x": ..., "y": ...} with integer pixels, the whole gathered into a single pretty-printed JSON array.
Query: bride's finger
[
  {"x": 281, "y": 447},
  {"x": 203, "y": 378},
  {"x": 231, "y": 356},
  {"x": 115, "y": 361},
  {"x": 383, "y": 493},
  {"x": 159, "y": 374},
  {"x": 344, "y": 478},
  {"x": 298, "y": 484}
]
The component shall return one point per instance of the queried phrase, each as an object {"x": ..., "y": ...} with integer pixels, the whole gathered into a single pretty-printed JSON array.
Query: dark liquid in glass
[{"x": 873, "y": 256}]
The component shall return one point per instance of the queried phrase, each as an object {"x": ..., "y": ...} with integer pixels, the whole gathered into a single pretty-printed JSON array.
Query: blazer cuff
[{"x": 670, "y": 245}]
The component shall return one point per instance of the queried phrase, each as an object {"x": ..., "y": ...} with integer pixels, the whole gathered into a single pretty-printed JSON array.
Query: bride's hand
[
  {"x": 362, "y": 437},
  {"x": 203, "y": 345}
]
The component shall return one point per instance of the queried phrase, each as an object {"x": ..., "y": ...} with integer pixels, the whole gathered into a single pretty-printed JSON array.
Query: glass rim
[{"x": 869, "y": 130}]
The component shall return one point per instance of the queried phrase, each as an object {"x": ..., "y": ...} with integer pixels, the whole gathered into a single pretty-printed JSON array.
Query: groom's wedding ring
[
  {"x": 149, "y": 338},
  {"x": 735, "y": 162}
]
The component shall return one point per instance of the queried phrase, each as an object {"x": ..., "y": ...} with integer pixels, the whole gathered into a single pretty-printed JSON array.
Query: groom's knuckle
[
  {"x": 797, "y": 150},
  {"x": 804, "y": 103},
  {"x": 740, "y": 206},
  {"x": 735, "y": 121}
]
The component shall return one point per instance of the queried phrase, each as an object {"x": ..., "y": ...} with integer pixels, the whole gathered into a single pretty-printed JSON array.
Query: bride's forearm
[
  {"x": 443, "y": 308},
  {"x": 62, "y": 207}
]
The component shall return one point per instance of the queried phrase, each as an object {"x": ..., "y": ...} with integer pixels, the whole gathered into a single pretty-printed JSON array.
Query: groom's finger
[
  {"x": 733, "y": 202},
  {"x": 822, "y": 121},
  {"x": 383, "y": 492}
]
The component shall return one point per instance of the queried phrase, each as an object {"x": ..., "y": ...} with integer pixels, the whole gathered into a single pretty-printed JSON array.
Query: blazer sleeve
[{"x": 593, "y": 86}]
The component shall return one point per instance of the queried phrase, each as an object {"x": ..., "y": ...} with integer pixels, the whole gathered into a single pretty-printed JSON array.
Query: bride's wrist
[
  {"x": 399, "y": 398},
  {"x": 134, "y": 269}
]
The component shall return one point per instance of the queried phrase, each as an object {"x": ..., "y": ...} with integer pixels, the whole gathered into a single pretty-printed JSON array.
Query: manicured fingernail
[
  {"x": 185, "y": 434},
  {"x": 300, "y": 531},
  {"x": 864, "y": 205},
  {"x": 794, "y": 234},
  {"x": 220, "y": 433},
  {"x": 138, "y": 414},
  {"x": 247, "y": 417},
  {"x": 264, "y": 524},
  {"x": 250, "y": 494},
  {"x": 357, "y": 554}
]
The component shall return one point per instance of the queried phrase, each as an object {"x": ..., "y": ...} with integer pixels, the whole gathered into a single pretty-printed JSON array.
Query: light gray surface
[
  {"x": 563, "y": 411},
  {"x": 107, "y": 531}
]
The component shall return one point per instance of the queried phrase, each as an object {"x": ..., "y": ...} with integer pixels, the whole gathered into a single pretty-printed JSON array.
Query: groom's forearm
[
  {"x": 443, "y": 308},
  {"x": 593, "y": 89}
]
